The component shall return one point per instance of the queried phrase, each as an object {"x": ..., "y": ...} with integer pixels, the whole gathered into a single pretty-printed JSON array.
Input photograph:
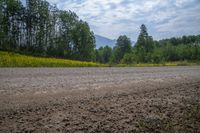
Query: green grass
[{"x": 10, "y": 59}]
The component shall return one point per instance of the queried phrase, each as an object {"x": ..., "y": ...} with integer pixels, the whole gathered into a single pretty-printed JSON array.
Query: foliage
[
  {"x": 128, "y": 58},
  {"x": 122, "y": 47},
  {"x": 103, "y": 54},
  {"x": 144, "y": 45}
]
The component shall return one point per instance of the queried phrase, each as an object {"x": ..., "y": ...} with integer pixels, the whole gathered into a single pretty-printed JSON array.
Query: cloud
[
  {"x": 183, "y": 21},
  {"x": 112, "y": 18},
  {"x": 54, "y": 1}
]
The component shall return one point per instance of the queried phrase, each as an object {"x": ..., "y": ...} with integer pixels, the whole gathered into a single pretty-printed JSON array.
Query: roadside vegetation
[
  {"x": 175, "y": 63},
  {"x": 10, "y": 59}
]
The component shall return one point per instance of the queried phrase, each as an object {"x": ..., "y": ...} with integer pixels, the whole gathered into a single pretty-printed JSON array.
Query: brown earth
[{"x": 147, "y": 99}]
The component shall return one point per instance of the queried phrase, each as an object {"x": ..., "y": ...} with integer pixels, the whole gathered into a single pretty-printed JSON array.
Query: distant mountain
[
  {"x": 103, "y": 41},
  {"x": 133, "y": 43}
]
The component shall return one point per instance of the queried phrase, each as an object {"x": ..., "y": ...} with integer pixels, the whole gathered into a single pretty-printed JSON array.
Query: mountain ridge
[{"x": 102, "y": 41}]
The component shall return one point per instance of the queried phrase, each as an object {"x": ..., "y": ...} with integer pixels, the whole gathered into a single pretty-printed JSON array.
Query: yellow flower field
[{"x": 10, "y": 59}]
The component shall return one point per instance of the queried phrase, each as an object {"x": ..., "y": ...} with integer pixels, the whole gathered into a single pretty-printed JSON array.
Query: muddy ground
[{"x": 147, "y": 99}]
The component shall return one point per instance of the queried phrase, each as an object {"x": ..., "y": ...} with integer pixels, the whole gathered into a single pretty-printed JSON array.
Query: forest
[
  {"x": 41, "y": 29},
  {"x": 147, "y": 50}
]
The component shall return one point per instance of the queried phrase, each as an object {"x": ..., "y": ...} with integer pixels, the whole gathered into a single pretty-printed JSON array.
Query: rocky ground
[{"x": 147, "y": 99}]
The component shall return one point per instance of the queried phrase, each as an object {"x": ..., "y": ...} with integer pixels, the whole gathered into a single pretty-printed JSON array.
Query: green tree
[
  {"x": 129, "y": 58},
  {"x": 9, "y": 23},
  {"x": 107, "y": 53},
  {"x": 104, "y": 54},
  {"x": 99, "y": 55},
  {"x": 122, "y": 47},
  {"x": 144, "y": 45},
  {"x": 84, "y": 42}
]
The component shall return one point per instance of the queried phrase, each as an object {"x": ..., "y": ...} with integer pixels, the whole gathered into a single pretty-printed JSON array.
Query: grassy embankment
[
  {"x": 10, "y": 59},
  {"x": 175, "y": 63}
]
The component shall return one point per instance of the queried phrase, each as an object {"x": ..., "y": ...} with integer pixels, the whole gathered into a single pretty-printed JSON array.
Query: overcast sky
[{"x": 111, "y": 18}]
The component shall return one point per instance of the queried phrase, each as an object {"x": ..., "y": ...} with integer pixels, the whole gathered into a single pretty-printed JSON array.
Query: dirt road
[{"x": 147, "y": 99}]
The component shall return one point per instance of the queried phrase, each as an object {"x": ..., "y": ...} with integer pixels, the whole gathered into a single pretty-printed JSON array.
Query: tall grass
[{"x": 10, "y": 59}]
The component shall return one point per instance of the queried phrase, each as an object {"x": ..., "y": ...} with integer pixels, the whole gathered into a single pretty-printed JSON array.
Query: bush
[{"x": 128, "y": 58}]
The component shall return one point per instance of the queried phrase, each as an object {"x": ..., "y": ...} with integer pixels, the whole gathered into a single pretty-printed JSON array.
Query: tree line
[
  {"x": 39, "y": 28},
  {"x": 147, "y": 50}
]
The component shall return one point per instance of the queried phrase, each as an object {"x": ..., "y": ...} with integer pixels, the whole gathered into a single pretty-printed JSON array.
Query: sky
[{"x": 112, "y": 18}]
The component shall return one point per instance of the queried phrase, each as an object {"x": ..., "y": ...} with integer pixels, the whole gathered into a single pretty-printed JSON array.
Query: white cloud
[
  {"x": 114, "y": 17},
  {"x": 53, "y": 1},
  {"x": 180, "y": 3},
  {"x": 182, "y": 19}
]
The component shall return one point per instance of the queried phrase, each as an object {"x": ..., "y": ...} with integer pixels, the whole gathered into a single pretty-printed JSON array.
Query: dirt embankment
[{"x": 156, "y": 99}]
